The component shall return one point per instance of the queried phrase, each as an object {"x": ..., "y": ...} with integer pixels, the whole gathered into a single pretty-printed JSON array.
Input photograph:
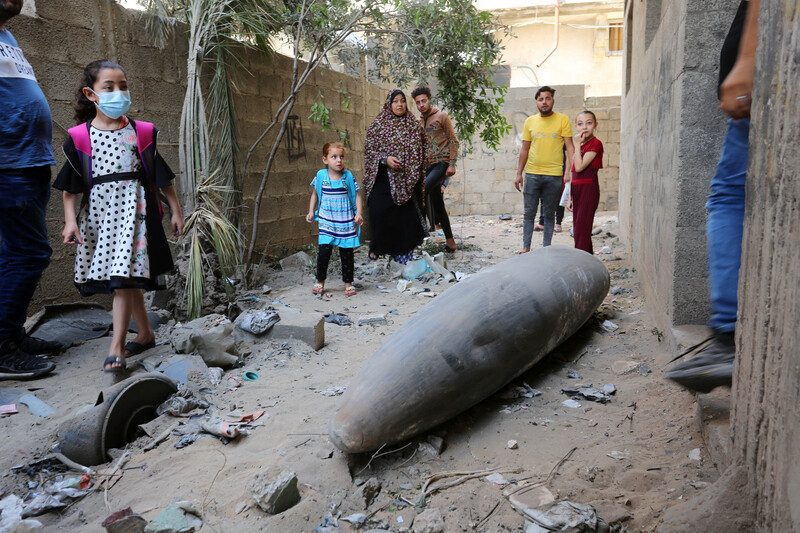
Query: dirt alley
[{"x": 631, "y": 458}]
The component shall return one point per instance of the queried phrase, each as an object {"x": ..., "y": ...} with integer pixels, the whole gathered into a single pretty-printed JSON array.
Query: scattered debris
[
  {"x": 694, "y": 455},
  {"x": 614, "y": 454},
  {"x": 338, "y": 319},
  {"x": 602, "y": 395},
  {"x": 699, "y": 484},
  {"x": 37, "y": 406},
  {"x": 250, "y": 375},
  {"x": 367, "y": 492},
  {"x": 512, "y": 445},
  {"x": 373, "y": 320},
  {"x": 429, "y": 521},
  {"x": 124, "y": 521},
  {"x": 504, "y": 217},
  {"x": 181, "y": 517},
  {"x": 573, "y": 374},
  {"x": 437, "y": 443},
  {"x": 609, "y": 326},
  {"x": 298, "y": 261},
  {"x": 562, "y": 516},
  {"x": 58, "y": 495},
  {"x": 497, "y": 479},
  {"x": 257, "y": 322},
  {"x": 11, "y": 519},
  {"x": 10, "y": 409},
  {"x": 571, "y": 403},
  {"x": 622, "y": 368},
  {"x": 274, "y": 490},
  {"x": 332, "y": 391},
  {"x": 357, "y": 519}
]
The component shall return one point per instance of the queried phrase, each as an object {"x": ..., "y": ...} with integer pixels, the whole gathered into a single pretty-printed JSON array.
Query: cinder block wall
[
  {"x": 484, "y": 181},
  {"x": 62, "y": 36},
  {"x": 671, "y": 135}
]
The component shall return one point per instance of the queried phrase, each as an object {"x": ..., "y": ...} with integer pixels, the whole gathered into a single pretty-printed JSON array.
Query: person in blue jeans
[
  {"x": 26, "y": 155},
  {"x": 713, "y": 366}
]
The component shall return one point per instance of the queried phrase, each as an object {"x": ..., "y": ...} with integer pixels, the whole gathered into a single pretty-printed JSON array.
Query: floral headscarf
[{"x": 401, "y": 137}]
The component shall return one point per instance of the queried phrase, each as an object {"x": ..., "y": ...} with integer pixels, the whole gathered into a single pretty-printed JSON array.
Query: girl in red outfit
[{"x": 585, "y": 194}]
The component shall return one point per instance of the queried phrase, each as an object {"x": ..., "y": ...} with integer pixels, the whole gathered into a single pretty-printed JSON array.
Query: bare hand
[
  {"x": 518, "y": 182},
  {"x": 393, "y": 162},
  {"x": 359, "y": 220},
  {"x": 310, "y": 217},
  {"x": 71, "y": 234},
  {"x": 451, "y": 170},
  {"x": 569, "y": 204},
  {"x": 735, "y": 93},
  {"x": 177, "y": 224}
]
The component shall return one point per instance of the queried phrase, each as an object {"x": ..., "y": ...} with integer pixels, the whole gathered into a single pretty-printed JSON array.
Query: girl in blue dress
[{"x": 336, "y": 205}]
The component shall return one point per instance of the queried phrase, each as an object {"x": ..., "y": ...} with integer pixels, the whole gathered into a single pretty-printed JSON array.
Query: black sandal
[
  {"x": 112, "y": 360},
  {"x": 135, "y": 348}
]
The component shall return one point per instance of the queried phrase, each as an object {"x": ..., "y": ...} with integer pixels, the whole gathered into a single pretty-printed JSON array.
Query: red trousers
[{"x": 585, "y": 199}]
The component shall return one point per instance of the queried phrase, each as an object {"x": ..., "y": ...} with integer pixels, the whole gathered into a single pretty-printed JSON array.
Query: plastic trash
[
  {"x": 563, "y": 516},
  {"x": 11, "y": 509},
  {"x": 565, "y": 195},
  {"x": 415, "y": 269},
  {"x": 609, "y": 326},
  {"x": 504, "y": 217}
]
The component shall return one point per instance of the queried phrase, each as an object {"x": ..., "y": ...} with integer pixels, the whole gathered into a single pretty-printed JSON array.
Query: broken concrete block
[
  {"x": 429, "y": 521},
  {"x": 274, "y": 490},
  {"x": 298, "y": 261},
  {"x": 216, "y": 346},
  {"x": 366, "y": 320},
  {"x": 306, "y": 327},
  {"x": 437, "y": 442}
]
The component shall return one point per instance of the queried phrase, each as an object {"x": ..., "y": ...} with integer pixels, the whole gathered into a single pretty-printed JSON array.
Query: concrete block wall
[
  {"x": 484, "y": 181},
  {"x": 671, "y": 133},
  {"x": 59, "y": 37}
]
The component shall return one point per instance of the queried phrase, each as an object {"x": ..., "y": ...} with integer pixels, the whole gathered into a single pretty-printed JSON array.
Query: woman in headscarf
[{"x": 393, "y": 180}]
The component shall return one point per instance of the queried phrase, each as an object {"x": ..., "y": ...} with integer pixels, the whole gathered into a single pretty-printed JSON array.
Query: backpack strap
[
  {"x": 83, "y": 146},
  {"x": 321, "y": 175},
  {"x": 145, "y": 141}
]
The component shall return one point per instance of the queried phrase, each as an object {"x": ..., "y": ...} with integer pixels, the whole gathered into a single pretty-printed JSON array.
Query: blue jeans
[
  {"x": 548, "y": 188},
  {"x": 725, "y": 225},
  {"x": 24, "y": 246}
]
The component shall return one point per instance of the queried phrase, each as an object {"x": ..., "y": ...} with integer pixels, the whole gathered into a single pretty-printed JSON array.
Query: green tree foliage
[{"x": 447, "y": 43}]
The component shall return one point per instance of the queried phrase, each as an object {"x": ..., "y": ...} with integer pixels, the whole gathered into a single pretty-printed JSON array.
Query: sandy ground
[{"x": 631, "y": 458}]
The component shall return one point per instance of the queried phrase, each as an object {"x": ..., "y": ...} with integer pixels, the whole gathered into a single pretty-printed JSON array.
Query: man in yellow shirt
[{"x": 544, "y": 137}]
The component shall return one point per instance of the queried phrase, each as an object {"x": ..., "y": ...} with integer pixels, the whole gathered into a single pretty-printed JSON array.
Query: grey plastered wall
[
  {"x": 671, "y": 133},
  {"x": 62, "y": 36},
  {"x": 765, "y": 420},
  {"x": 484, "y": 181}
]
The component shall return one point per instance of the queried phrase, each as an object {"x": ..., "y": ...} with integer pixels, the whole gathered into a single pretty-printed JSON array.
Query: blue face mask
[{"x": 113, "y": 104}]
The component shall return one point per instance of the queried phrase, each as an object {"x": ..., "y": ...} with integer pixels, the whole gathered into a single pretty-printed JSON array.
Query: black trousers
[
  {"x": 434, "y": 176},
  {"x": 324, "y": 257},
  {"x": 559, "y": 215}
]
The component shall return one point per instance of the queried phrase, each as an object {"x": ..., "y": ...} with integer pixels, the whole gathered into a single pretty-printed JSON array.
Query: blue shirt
[{"x": 26, "y": 126}]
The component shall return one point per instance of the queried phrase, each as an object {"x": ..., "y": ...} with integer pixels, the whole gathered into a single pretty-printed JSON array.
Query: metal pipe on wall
[{"x": 555, "y": 43}]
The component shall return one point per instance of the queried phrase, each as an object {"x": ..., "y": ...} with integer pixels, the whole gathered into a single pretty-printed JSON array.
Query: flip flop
[
  {"x": 318, "y": 288},
  {"x": 135, "y": 348},
  {"x": 350, "y": 291},
  {"x": 114, "y": 359}
]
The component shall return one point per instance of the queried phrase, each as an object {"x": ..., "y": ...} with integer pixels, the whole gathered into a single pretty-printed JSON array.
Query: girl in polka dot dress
[{"x": 122, "y": 248}]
